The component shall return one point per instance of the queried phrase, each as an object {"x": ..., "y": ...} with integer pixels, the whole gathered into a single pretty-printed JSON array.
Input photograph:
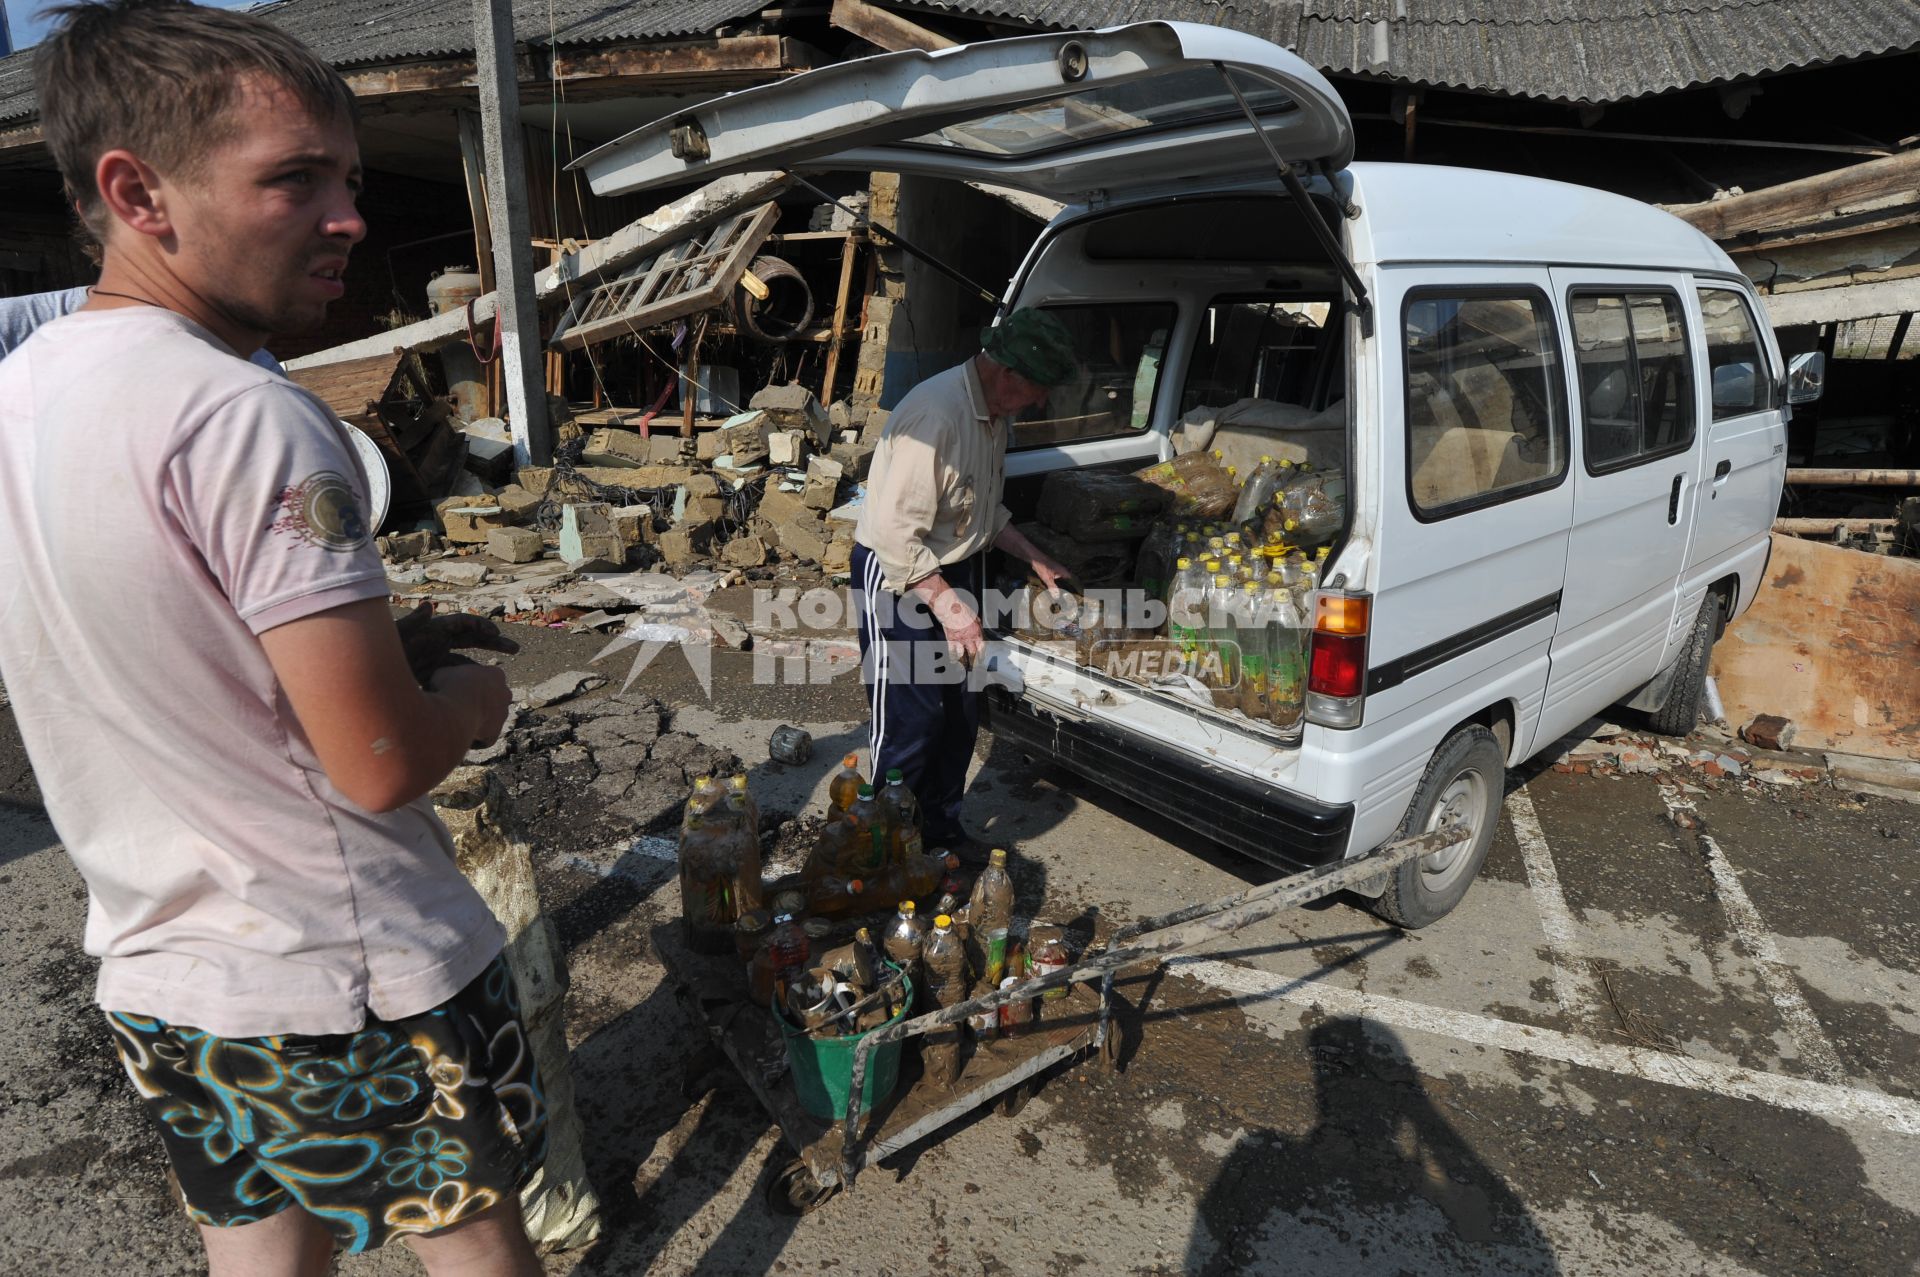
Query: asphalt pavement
[{"x": 1668, "y": 1031}]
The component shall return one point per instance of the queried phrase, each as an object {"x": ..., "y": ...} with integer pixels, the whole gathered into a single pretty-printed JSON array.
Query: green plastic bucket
[{"x": 822, "y": 1068}]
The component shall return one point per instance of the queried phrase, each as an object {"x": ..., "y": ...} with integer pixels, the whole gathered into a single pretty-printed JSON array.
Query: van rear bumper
[{"x": 1237, "y": 811}]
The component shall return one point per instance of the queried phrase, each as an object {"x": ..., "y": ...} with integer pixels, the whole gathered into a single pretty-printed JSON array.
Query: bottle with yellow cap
[
  {"x": 990, "y": 914},
  {"x": 1252, "y": 635},
  {"x": 1287, "y": 634},
  {"x": 1186, "y": 606}
]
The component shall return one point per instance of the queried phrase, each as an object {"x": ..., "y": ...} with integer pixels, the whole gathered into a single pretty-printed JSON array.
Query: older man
[{"x": 933, "y": 508}]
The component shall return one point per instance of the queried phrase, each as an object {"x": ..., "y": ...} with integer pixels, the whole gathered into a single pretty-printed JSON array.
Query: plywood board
[{"x": 1832, "y": 642}]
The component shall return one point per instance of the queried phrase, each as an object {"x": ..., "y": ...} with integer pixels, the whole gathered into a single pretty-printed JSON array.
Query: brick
[
  {"x": 826, "y": 468},
  {"x": 609, "y": 447},
  {"x": 466, "y": 521},
  {"x": 535, "y": 479},
  {"x": 701, "y": 512},
  {"x": 702, "y": 485},
  {"x": 839, "y": 555},
  {"x": 777, "y": 505},
  {"x": 464, "y": 572},
  {"x": 804, "y": 537},
  {"x": 680, "y": 547},
  {"x": 786, "y": 448},
  {"x": 744, "y": 552},
  {"x": 515, "y": 545},
  {"x": 820, "y": 493},
  {"x": 710, "y": 444},
  {"x": 403, "y": 546}
]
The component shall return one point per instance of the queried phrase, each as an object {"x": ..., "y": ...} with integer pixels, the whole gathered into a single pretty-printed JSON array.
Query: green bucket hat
[{"x": 1033, "y": 344}]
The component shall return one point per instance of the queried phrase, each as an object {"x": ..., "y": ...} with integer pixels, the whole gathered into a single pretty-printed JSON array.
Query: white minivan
[{"x": 1561, "y": 415}]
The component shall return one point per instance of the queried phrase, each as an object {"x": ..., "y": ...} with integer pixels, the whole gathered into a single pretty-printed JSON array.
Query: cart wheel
[
  {"x": 794, "y": 1191},
  {"x": 1015, "y": 1099},
  {"x": 700, "y": 1073}
]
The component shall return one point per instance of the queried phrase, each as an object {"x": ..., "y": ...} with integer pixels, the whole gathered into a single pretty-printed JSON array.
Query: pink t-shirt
[{"x": 163, "y": 502}]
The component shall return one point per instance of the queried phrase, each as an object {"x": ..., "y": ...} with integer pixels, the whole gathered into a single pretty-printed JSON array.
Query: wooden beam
[
  {"x": 888, "y": 30},
  {"x": 847, "y": 254},
  {"x": 762, "y": 53},
  {"x": 1843, "y": 302},
  {"x": 1822, "y": 478},
  {"x": 1805, "y": 201}
]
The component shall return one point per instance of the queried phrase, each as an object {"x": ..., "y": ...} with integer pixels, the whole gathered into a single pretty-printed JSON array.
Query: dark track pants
[{"x": 922, "y": 724}]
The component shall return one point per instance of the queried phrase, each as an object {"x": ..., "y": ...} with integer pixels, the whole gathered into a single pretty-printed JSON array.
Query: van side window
[
  {"x": 1484, "y": 418},
  {"x": 1255, "y": 348},
  {"x": 1636, "y": 383},
  {"x": 1118, "y": 350},
  {"x": 1742, "y": 381}
]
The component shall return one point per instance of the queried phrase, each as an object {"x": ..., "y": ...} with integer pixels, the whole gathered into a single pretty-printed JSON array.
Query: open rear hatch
[{"x": 1059, "y": 115}]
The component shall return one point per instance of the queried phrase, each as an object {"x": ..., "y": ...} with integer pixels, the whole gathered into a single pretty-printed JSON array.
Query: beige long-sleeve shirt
[{"x": 934, "y": 489}]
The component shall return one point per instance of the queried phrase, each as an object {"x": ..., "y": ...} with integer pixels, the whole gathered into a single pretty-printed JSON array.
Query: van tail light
[{"x": 1337, "y": 662}]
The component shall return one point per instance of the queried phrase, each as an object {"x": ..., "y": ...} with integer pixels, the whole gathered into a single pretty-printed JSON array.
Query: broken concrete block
[
  {"x": 563, "y": 687},
  {"x": 633, "y": 524},
  {"x": 700, "y": 512},
  {"x": 710, "y": 444},
  {"x": 874, "y": 426},
  {"x": 793, "y": 397},
  {"x": 404, "y": 546},
  {"x": 778, "y": 505},
  {"x": 587, "y": 533},
  {"x": 609, "y": 447},
  {"x": 462, "y": 572},
  {"x": 786, "y": 448},
  {"x": 826, "y": 468},
  {"x": 669, "y": 450},
  {"x": 518, "y": 503},
  {"x": 515, "y": 545},
  {"x": 466, "y": 522},
  {"x": 820, "y": 493},
  {"x": 839, "y": 415},
  {"x": 535, "y": 479},
  {"x": 701, "y": 485},
  {"x": 839, "y": 555},
  {"x": 805, "y": 537},
  {"x": 854, "y": 458},
  {"x": 744, "y": 552},
  {"x": 1769, "y": 731},
  {"x": 680, "y": 547}
]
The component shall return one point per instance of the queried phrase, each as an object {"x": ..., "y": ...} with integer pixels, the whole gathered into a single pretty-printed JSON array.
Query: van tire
[
  {"x": 1467, "y": 777},
  {"x": 1680, "y": 713}
]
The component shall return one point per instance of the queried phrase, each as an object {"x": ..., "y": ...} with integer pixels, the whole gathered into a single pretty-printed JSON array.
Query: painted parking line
[
  {"x": 1816, "y": 1051},
  {"x": 1573, "y": 984},
  {"x": 1821, "y": 1099}
]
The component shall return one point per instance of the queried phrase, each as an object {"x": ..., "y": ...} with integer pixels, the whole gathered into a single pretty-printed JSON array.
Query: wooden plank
[
  {"x": 1831, "y": 642},
  {"x": 839, "y": 330},
  {"x": 1843, "y": 302},
  {"x": 888, "y": 30},
  {"x": 1804, "y": 201},
  {"x": 348, "y": 387},
  {"x": 767, "y": 54}
]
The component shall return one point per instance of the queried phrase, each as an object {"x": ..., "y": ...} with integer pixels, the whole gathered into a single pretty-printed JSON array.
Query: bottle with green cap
[
  {"x": 870, "y": 833},
  {"x": 904, "y": 824}
]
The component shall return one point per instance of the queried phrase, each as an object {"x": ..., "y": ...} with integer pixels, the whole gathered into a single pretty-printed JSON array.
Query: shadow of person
[{"x": 1383, "y": 1183}]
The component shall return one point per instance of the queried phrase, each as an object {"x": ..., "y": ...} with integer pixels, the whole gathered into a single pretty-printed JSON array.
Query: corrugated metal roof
[
  {"x": 1563, "y": 50},
  {"x": 358, "y": 32}
]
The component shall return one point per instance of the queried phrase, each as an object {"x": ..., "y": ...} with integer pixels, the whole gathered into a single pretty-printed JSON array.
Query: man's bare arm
[{"x": 381, "y": 739}]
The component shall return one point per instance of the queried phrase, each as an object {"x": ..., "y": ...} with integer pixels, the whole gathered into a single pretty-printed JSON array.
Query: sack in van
[
  {"x": 1094, "y": 564},
  {"x": 1100, "y": 506},
  {"x": 1198, "y": 482}
]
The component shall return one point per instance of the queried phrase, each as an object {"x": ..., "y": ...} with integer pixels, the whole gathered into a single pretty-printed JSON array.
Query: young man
[
  {"x": 933, "y": 507},
  {"x": 218, "y": 706}
]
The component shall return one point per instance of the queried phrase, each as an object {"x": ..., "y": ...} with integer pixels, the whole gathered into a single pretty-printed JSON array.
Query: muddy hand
[{"x": 435, "y": 642}]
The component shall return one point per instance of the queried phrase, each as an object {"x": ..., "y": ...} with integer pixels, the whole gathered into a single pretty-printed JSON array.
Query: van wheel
[
  {"x": 1681, "y": 714},
  {"x": 1464, "y": 782}
]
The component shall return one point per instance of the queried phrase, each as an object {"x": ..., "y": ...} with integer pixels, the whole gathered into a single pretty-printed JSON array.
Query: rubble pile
[{"x": 1711, "y": 758}]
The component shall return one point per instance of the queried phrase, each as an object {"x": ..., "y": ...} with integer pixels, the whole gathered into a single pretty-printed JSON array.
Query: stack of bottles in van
[{"x": 1231, "y": 564}]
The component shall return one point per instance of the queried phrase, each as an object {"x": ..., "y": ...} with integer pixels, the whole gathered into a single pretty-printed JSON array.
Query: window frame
[
  {"x": 1173, "y": 327},
  {"x": 1636, "y": 459},
  {"x": 1556, "y": 386},
  {"x": 1774, "y": 379}
]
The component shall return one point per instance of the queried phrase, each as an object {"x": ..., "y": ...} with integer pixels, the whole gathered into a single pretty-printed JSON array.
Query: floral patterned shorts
[{"x": 406, "y": 1126}]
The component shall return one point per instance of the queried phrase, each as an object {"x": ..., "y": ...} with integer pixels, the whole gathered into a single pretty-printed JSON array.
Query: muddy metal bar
[
  {"x": 1815, "y": 477},
  {"x": 1204, "y": 922}
]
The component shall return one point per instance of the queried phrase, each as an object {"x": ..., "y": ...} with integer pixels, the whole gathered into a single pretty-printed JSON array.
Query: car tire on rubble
[
  {"x": 1466, "y": 780},
  {"x": 1681, "y": 713}
]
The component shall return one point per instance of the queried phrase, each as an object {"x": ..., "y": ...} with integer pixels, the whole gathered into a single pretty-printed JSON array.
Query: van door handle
[
  {"x": 1673, "y": 502},
  {"x": 1721, "y": 471}
]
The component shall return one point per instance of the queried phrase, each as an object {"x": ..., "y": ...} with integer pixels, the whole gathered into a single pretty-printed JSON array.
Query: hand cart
[{"x": 831, "y": 1154}]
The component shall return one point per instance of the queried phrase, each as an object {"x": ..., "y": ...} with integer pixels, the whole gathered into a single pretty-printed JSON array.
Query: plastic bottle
[
  {"x": 835, "y": 894},
  {"x": 990, "y": 913},
  {"x": 1255, "y": 650},
  {"x": 1258, "y": 490},
  {"x": 705, "y": 797},
  {"x": 832, "y": 852},
  {"x": 844, "y": 787},
  {"x": 943, "y": 961},
  {"x": 1016, "y": 1017},
  {"x": 906, "y": 937},
  {"x": 787, "y": 946},
  {"x": 870, "y": 833},
  {"x": 1186, "y": 605},
  {"x": 709, "y": 892},
  {"x": 1223, "y": 646},
  {"x": 743, "y": 847},
  {"x": 903, "y": 815},
  {"x": 1287, "y": 636},
  {"x": 915, "y": 879}
]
